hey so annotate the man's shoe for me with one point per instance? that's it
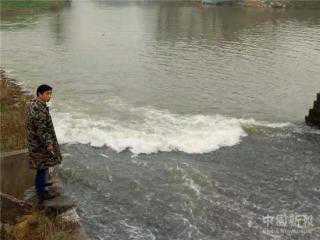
(45, 196)
(55, 191)
(48, 184)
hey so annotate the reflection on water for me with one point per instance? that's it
(189, 90)
(180, 57)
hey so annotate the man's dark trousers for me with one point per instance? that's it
(41, 180)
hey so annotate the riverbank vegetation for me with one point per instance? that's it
(13, 100)
(36, 5)
(11, 9)
(35, 225)
(283, 3)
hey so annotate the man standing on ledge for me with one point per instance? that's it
(44, 151)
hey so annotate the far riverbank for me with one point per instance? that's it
(281, 3)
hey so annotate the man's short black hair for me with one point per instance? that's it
(43, 88)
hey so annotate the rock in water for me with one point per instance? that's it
(313, 119)
(59, 204)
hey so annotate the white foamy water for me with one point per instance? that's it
(154, 131)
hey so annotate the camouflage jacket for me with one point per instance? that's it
(40, 133)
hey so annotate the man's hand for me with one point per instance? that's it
(50, 148)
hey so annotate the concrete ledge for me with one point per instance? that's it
(12, 153)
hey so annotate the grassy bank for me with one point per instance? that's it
(38, 226)
(7, 5)
(13, 100)
(18, 8)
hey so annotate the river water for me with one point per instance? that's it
(179, 121)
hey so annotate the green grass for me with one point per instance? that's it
(250, 129)
(3, 108)
(29, 3)
(13, 102)
(16, 5)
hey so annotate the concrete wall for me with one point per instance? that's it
(15, 175)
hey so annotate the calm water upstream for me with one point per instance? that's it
(177, 121)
